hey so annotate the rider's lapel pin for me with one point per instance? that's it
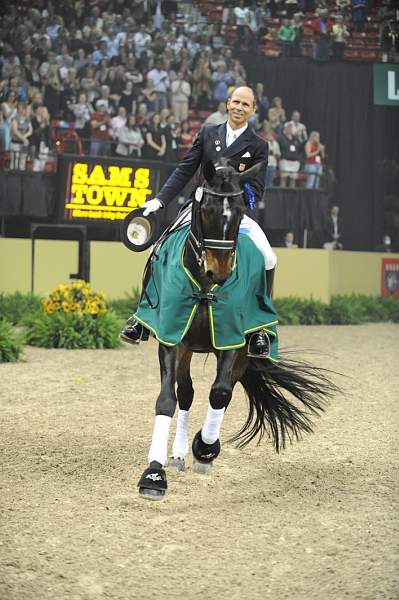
(241, 167)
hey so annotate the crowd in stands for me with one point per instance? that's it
(321, 29)
(137, 79)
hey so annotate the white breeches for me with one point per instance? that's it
(248, 227)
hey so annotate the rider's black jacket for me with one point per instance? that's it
(247, 150)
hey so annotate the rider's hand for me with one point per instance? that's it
(151, 206)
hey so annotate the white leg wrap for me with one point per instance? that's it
(180, 444)
(159, 444)
(210, 431)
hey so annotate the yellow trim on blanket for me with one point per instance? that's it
(187, 272)
(212, 329)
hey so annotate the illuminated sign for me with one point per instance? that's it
(106, 190)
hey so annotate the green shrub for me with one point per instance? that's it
(125, 307)
(313, 312)
(391, 308)
(16, 307)
(11, 343)
(66, 330)
(289, 310)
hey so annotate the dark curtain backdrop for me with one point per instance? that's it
(337, 100)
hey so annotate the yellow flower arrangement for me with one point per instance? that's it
(76, 298)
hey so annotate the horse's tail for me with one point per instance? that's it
(271, 412)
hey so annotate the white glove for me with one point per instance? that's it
(151, 206)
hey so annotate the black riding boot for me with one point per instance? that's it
(259, 343)
(134, 332)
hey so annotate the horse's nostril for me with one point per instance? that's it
(209, 274)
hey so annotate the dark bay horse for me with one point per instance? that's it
(209, 253)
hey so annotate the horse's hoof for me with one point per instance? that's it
(149, 494)
(202, 468)
(178, 464)
(204, 453)
(152, 484)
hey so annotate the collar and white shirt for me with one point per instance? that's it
(233, 134)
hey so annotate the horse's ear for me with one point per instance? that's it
(252, 172)
(209, 171)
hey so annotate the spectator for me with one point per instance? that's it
(52, 95)
(242, 17)
(389, 39)
(286, 35)
(290, 157)
(155, 142)
(385, 246)
(339, 34)
(106, 100)
(8, 111)
(99, 121)
(359, 8)
(171, 138)
(262, 101)
(161, 84)
(118, 121)
(297, 25)
(202, 83)
(142, 40)
(82, 111)
(180, 92)
(130, 139)
(40, 120)
(185, 139)
(221, 80)
(274, 157)
(322, 30)
(89, 85)
(288, 241)
(276, 114)
(298, 129)
(128, 98)
(21, 131)
(218, 117)
(315, 153)
(332, 231)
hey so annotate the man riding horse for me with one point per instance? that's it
(238, 143)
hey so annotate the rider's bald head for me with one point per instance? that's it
(243, 89)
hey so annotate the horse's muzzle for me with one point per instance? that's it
(218, 266)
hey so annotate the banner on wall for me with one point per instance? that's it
(390, 277)
(97, 189)
(386, 84)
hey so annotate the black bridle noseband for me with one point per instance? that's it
(198, 242)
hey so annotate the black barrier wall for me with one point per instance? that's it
(99, 193)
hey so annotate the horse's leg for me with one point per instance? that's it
(152, 483)
(206, 444)
(185, 395)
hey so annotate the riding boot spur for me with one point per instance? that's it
(134, 332)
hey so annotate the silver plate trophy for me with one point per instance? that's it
(138, 232)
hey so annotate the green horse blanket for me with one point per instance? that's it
(239, 306)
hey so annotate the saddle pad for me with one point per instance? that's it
(240, 305)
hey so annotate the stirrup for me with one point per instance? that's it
(264, 349)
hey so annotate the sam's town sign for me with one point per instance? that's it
(109, 191)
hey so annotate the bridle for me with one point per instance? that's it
(198, 242)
